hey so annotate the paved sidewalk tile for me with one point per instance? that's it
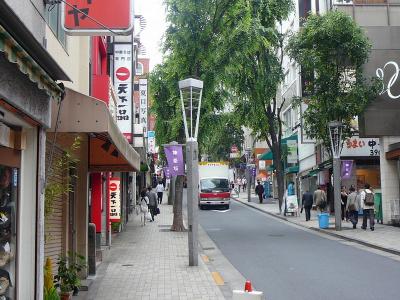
(151, 262)
(384, 236)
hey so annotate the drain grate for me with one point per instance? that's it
(208, 248)
(127, 265)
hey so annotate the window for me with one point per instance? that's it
(287, 120)
(139, 69)
(53, 19)
(209, 185)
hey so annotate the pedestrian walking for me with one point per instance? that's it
(160, 192)
(307, 201)
(367, 204)
(320, 199)
(353, 205)
(144, 206)
(239, 183)
(259, 191)
(244, 183)
(343, 198)
(152, 202)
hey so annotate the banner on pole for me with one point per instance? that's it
(115, 199)
(347, 168)
(175, 159)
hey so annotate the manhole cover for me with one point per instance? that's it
(165, 230)
(208, 248)
(127, 265)
(275, 235)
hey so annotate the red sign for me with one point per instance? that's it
(113, 187)
(95, 17)
(122, 73)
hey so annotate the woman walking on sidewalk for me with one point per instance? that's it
(152, 202)
(160, 192)
(144, 206)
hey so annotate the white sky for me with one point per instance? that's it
(154, 13)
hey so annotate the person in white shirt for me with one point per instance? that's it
(244, 183)
(160, 192)
(368, 206)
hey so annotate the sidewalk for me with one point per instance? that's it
(385, 237)
(151, 262)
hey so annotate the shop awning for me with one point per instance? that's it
(108, 148)
(292, 169)
(267, 155)
(313, 172)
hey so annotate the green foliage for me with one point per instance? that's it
(49, 291)
(67, 279)
(53, 190)
(115, 226)
(51, 294)
(332, 49)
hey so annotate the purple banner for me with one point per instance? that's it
(167, 173)
(175, 159)
(347, 168)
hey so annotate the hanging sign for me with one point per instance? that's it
(97, 17)
(143, 105)
(123, 56)
(151, 141)
(347, 167)
(175, 159)
(292, 151)
(115, 199)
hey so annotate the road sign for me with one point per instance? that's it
(122, 73)
(97, 17)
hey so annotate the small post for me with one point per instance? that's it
(336, 191)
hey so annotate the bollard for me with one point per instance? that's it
(248, 293)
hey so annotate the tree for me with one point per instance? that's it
(252, 55)
(189, 50)
(333, 49)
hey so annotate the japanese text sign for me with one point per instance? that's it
(115, 199)
(151, 141)
(97, 17)
(143, 104)
(175, 159)
(167, 173)
(356, 146)
(347, 167)
(123, 55)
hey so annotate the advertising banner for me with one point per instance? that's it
(100, 18)
(347, 168)
(175, 159)
(292, 152)
(115, 199)
(151, 141)
(143, 104)
(123, 56)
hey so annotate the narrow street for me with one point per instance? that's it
(286, 262)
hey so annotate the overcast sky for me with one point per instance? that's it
(154, 13)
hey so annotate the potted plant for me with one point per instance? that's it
(67, 279)
(49, 292)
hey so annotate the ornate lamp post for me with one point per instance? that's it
(335, 134)
(191, 91)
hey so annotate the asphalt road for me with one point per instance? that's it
(289, 263)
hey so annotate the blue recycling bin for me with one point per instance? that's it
(323, 220)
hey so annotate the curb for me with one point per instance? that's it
(364, 243)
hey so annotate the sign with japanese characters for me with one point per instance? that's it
(97, 17)
(175, 159)
(115, 199)
(151, 141)
(143, 104)
(356, 146)
(347, 168)
(123, 55)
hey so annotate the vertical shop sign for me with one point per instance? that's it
(151, 141)
(123, 54)
(97, 17)
(143, 104)
(347, 167)
(292, 151)
(115, 199)
(175, 159)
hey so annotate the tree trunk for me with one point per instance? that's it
(177, 224)
(280, 176)
(171, 191)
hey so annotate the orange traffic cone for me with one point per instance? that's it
(247, 286)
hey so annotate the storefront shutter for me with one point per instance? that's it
(55, 229)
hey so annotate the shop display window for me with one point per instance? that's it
(8, 209)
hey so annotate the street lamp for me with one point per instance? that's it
(335, 134)
(191, 91)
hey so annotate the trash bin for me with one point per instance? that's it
(323, 220)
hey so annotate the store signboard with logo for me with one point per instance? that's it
(98, 18)
(143, 116)
(359, 147)
(123, 56)
(115, 199)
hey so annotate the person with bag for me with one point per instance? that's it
(320, 199)
(160, 192)
(152, 202)
(368, 206)
(144, 206)
(352, 206)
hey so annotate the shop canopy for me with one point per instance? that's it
(108, 148)
(267, 155)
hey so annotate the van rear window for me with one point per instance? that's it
(210, 185)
